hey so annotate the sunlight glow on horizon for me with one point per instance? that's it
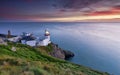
(80, 18)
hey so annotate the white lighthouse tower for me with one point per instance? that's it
(46, 40)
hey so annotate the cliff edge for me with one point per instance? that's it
(19, 59)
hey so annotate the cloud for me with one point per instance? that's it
(117, 7)
(102, 13)
(75, 5)
(114, 10)
(57, 9)
(85, 6)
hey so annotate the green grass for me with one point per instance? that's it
(27, 60)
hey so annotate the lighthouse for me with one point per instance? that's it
(46, 39)
(47, 34)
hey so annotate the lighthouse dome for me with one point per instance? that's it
(47, 33)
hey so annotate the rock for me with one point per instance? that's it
(68, 54)
(2, 42)
(13, 49)
(57, 52)
(60, 53)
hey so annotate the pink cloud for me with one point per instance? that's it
(112, 11)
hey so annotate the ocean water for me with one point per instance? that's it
(95, 45)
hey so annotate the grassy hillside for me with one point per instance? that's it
(33, 61)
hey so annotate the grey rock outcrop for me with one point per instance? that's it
(68, 54)
(13, 49)
(60, 53)
(2, 42)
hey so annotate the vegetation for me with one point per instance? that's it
(27, 60)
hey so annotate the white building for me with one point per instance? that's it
(38, 42)
(14, 39)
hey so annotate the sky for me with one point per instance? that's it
(59, 10)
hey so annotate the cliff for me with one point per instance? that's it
(60, 53)
(19, 59)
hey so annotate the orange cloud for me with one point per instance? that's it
(112, 11)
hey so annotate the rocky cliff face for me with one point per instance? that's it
(60, 53)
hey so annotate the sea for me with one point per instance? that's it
(95, 45)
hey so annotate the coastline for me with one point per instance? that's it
(27, 59)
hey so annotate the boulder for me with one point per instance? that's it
(13, 49)
(68, 54)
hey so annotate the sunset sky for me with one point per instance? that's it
(59, 10)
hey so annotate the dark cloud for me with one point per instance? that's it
(117, 7)
(42, 16)
(28, 9)
(85, 5)
(74, 4)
